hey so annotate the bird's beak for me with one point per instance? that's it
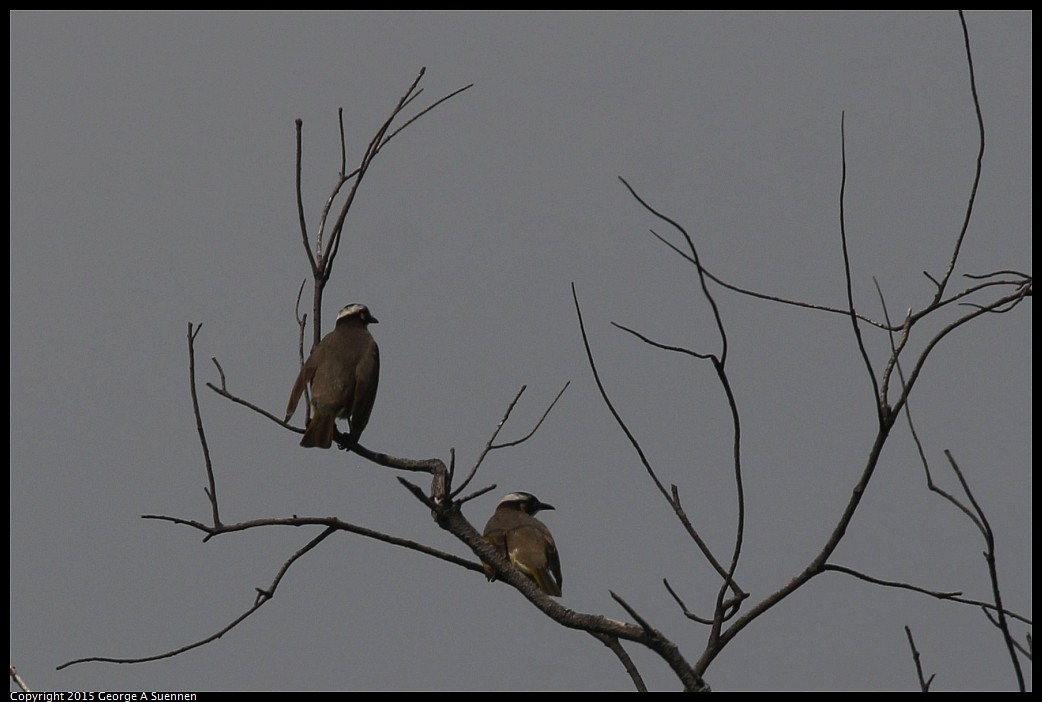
(543, 505)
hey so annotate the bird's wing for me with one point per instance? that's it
(498, 538)
(554, 560)
(532, 550)
(367, 378)
(307, 372)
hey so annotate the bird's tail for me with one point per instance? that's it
(320, 431)
(542, 578)
(546, 583)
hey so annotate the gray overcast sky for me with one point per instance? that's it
(152, 184)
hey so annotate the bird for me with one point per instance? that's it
(525, 541)
(344, 370)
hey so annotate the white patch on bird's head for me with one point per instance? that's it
(518, 497)
(524, 501)
(359, 312)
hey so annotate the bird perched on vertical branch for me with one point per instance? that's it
(343, 370)
(525, 541)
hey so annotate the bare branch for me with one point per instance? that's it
(977, 171)
(477, 493)
(1007, 271)
(764, 296)
(451, 95)
(977, 517)
(538, 424)
(880, 401)
(419, 494)
(220, 371)
(1013, 298)
(17, 680)
(727, 575)
(683, 607)
(817, 565)
(636, 444)
(896, 363)
(895, 348)
(224, 392)
(939, 594)
(1023, 278)
(632, 612)
(300, 195)
(331, 523)
(989, 557)
(343, 140)
(924, 685)
(1025, 650)
(950, 596)
(211, 491)
(433, 466)
(324, 255)
(631, 669)
(665, 347)
(490, 446)
(698, 266)
(367, 159)
(263, 596)
(719, 365)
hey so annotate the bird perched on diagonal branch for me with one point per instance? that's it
(525, 541)
(343, 370)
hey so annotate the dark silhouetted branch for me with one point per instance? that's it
(924, 684)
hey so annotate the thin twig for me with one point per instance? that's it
(343, 140)
(211, 491)
(880, 401)
(538, 424)
(989, 556)
(664, 347)
(1025, 650)
(451, 95)
(698, 266)
(924, 685)
(300, 194)
(683, 607)
(1013, 298)
(224, 392)
(951, 596)
(895, 363)
(615, 647)
(263, 596)
(632, 612)
(371, 152)
(979, 166)
(760, 295)
(846, 312)
(637, 447)
(719, 365)
(1007, 271)
(476, 494)
(325, 251)
(329, 522)
(490, 446)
